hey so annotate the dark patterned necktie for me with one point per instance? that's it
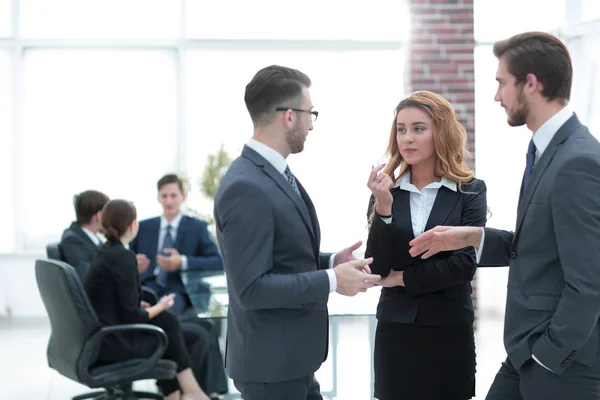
(161, 278)
(291, 179)
(529, 164)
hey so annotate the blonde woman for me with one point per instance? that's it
(424, 345)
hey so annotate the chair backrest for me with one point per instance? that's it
(53, 252)
(72, 318)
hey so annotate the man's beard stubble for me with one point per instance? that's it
(295, 139)
(519, 116)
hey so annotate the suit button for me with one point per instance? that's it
(513, 254)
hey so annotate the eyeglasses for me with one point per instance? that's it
(313, 114)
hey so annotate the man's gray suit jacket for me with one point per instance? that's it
(553, 302)
(278, 287)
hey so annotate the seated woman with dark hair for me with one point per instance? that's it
(114, 291)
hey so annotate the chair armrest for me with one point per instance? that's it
(92, 347)
(149, 295)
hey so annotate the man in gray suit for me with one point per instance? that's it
(269, 236)
(551, 328)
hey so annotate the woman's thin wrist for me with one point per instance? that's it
(384, 212)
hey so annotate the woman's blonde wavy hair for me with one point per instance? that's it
(449, 138)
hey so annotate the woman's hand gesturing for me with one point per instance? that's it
(380, 185)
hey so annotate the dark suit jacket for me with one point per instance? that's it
(114, 291)
(278, 287)
(553, 302)
(438, 289)
(192, 240)
(78, 249)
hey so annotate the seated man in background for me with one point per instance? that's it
(80, 242)
(172, 243)
(167, 245)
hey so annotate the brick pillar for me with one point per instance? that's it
(441, 59)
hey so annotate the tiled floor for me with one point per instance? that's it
(25, 375)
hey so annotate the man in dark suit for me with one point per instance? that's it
(172, 243)
(551, 330)
(167, 245)
(80, 241)
(268, 232)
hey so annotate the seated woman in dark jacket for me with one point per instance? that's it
(114, 291)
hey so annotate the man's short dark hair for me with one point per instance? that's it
(272, 87)
(542, 55)
(87, 204)
(168, 179)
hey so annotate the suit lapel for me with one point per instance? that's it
(183, 225)
(87, 240)
(283, 184)
(445, 201)
(538, 170)
(153, 234)
(312, 213)
(402, 212)
(291, 193)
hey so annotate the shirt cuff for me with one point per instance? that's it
(479, 249)
(386, 220)
(332, 279)
(331, 260)
(538, 361)
(184, 264)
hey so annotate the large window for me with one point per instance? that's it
(93, 119)
(112, 94)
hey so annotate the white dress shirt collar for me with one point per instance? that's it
(174, 223)
(545, 133)
(404, 184)
(93, 237)
(272, 156)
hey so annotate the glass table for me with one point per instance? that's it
(352, 326)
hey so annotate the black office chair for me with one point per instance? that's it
(53, 252)
(77, 334)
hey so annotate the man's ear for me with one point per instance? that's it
(532, 84)
(287, 118)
